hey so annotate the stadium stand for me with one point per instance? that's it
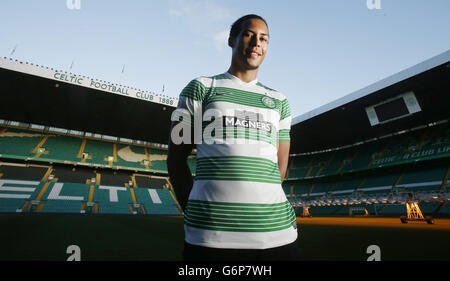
(79, 174)
(423, 179)
(99, 152)
(430, 143)
(12, 193)
(115, 177)
(31, 144)
(373, 174)
(430, 208)
(14, 142)
(344, 160)
(64, 197)
(445, 208)
(113, 199)
(132, 156)
(72, 174)
(10, 170)
(152, 200)
(379, 183)
(158, 159)
(58, 197)
(149, 181)
(60, 148)
(345, 186)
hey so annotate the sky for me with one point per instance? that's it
(319, 50)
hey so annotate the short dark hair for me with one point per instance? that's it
(236, 27)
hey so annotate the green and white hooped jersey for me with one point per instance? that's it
(237, 200)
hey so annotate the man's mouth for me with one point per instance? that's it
(253, 54)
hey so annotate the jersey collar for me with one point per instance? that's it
(239, 81)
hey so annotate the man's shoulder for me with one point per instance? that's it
(272, 92)
(199, 87)
(207, 80)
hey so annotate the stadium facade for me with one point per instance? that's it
(70, 143)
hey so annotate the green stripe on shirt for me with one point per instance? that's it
(239, 217)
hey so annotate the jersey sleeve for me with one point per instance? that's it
(190, 101)
(285, 122)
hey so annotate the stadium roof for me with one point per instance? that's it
(44, 96)
(345, 120)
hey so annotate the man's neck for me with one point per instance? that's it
(244, 75)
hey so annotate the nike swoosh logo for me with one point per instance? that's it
(221, 93)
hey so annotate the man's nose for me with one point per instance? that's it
(254, 41)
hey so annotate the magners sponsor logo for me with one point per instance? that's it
(249, 120)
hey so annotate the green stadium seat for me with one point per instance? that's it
(11, 205)
(192, 165)
(381, 184)
(392, 209)
(61, 206)
(131, 156)
(346, 186)
(113, 199)
(14, 193)
(65, 197)
(324, 210)
(445, 209)
(300, 189)
(429, 208)
(425, 179)
(17, 143)
(157, 201)
(98, 151)
(62, 148)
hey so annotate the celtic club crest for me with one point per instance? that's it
(268, 101)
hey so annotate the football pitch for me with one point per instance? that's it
(38, 237)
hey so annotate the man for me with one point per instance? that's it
(236, 209)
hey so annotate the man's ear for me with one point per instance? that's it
(230, 42)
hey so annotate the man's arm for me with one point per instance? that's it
(283, 157)
(179, 173)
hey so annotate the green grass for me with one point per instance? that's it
(151, 238)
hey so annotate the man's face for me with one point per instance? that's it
(250, 46)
